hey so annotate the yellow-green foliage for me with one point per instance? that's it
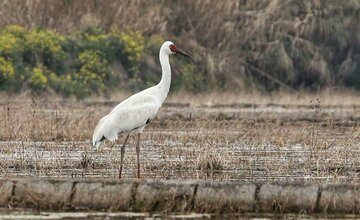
(153, 44)
(93, 73)
(11, 40)
(96, 38)
(92, 62)
(133, 44)
(8, 44)
(45, 40)
(190, 80)
(91, 38)
(15, 30)
(38, 80)
(6, 70)
(44, 47)
(62, 84)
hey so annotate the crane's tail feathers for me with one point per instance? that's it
(96, 144)
(112, 137)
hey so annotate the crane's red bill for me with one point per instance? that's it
(174, 49)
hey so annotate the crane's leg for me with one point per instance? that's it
(138, 155)
(122, 155)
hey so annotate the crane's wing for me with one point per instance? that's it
(125, 118)
(137, 99)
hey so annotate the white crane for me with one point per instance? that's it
(134, 113)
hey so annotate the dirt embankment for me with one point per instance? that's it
(178, 196)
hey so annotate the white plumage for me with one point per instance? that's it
(131, 115)
(135, 112)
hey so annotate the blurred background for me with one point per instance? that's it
(91, 47)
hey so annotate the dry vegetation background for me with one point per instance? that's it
(241, 45)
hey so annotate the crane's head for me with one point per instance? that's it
(170, 48)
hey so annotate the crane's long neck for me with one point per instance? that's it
(164, 85)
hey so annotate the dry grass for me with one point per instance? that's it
(301, 43)
(292, 137)
(328, 98)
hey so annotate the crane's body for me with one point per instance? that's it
(129, 116)
(135, 112)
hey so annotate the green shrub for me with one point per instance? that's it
(132, 46)
(93, 74)
(16, 30)
(6, 73)
(63, 85)
(93, 39)
(38, 80)
(12, 41)
(93, 61)
(12, 47)
(191, 80)
(44, 47)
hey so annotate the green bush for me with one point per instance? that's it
(63, 85)
(38, 80)
(10, 45)
(132, 46)
(93, 39)
(80, 63)
(85, 62)
(93, 74)
(44, 47)
(7, 73)
(190, 80)
(94, 62)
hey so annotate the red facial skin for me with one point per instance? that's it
(174, 49)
